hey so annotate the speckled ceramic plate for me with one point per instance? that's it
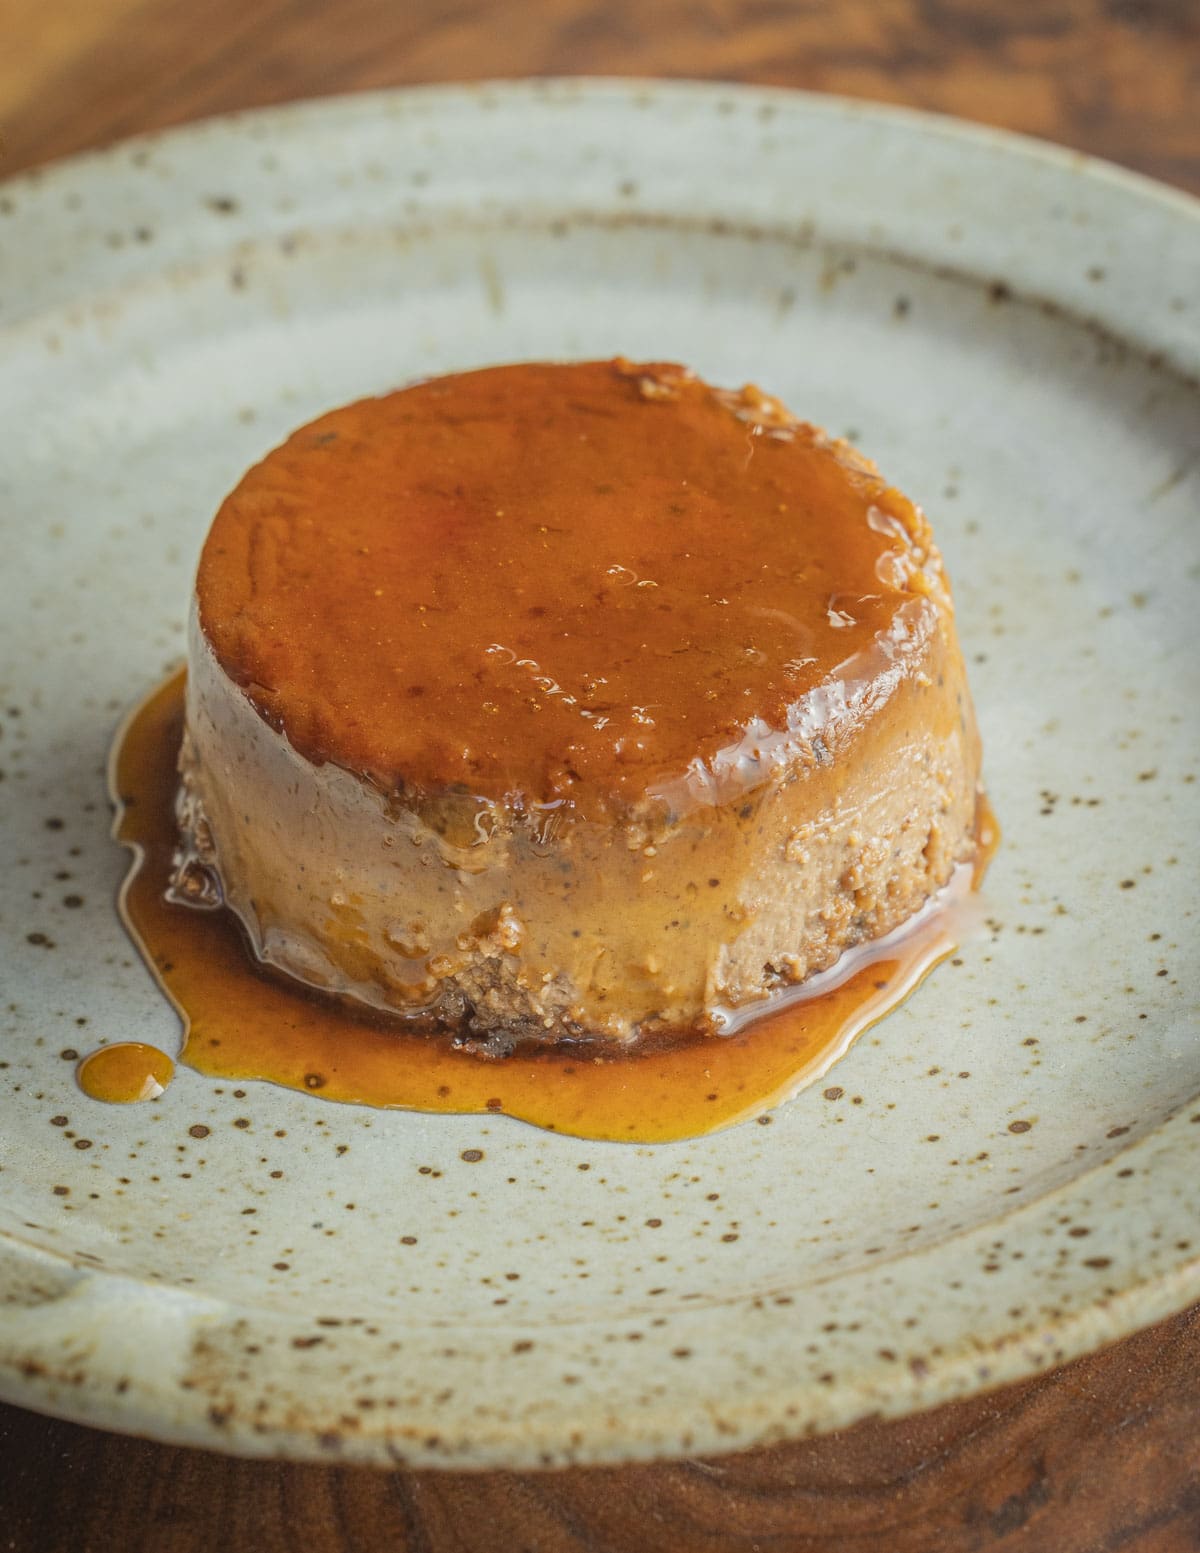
(1004, 1173)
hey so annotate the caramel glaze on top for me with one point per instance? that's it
(554, 582)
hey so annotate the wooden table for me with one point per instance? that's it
(1103, 1454)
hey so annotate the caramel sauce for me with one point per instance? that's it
(244, 1023)
(987, 838)
(558, 583)
(125, 1072)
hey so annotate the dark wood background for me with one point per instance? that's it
(1099, 1456)
(1120, 78)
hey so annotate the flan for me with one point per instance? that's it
(570, 701)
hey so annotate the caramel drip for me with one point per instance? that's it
(243, 1023)
(125, 1072)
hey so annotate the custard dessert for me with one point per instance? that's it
(570, 701)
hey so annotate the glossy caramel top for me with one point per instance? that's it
(582, 582)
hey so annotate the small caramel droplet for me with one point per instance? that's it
(125, 1072)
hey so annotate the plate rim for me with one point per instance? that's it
(836, 104)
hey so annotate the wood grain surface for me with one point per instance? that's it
(1120, 78)
(1101, 1455)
